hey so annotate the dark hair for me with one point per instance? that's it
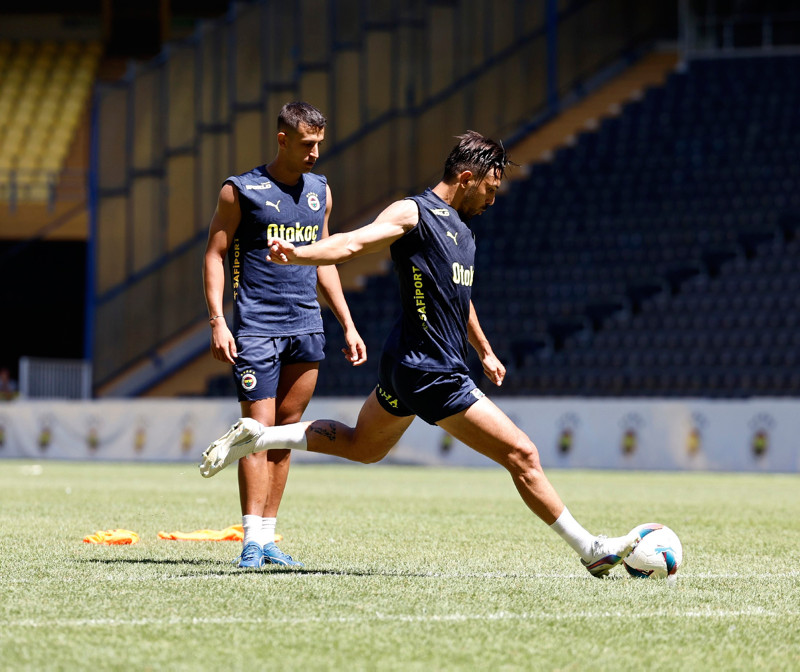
(296, 113)
(477, 154)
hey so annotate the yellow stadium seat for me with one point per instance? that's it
(6, 112)
(37, 76)
(26, 47)
(36, 141)
(42, 61)
(44, 90)
(94, 48)
(52, 162)
(48, 47)
(14, 75)
(28, 162)
(71, 48)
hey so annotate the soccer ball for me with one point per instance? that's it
(657, 556)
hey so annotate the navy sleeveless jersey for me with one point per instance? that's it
(269, 299)
(435, 264)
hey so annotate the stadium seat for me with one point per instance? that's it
(44, 88)
(660, 253)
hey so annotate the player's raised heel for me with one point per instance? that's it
(607, 553)
(237, 442)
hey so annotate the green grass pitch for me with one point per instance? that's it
(406, 569)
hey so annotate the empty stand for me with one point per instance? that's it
(735, 335)
(44, 91)
(649, 258)
(397, 81)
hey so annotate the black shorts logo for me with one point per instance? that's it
(392, 401)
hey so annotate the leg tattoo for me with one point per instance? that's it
(328, 432)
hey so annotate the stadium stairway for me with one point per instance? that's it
(587, 113)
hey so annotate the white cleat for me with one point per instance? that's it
(608, 553)
(235, 444)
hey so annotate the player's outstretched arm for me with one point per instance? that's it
(492, 366)
(391, 224)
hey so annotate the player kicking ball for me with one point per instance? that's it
(423, 370)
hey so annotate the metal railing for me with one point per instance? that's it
(41, 378)
(708, 28)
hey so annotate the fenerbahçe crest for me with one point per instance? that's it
(313, 201)
(249, 380)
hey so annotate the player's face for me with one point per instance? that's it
(479, 196)
(302, 147)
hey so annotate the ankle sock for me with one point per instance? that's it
(282, 437)
(253, 526)
(571, 531)
(268, 530)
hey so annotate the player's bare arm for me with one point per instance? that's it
(220, 236)
(492, 366)
(330, 286)
(399, 218)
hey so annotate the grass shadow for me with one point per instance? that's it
(275, 570)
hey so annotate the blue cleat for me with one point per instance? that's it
(276, 556)
(252, 556)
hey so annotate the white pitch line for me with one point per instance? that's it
(400, 618)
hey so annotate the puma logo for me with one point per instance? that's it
(275, 205)
(453, 236)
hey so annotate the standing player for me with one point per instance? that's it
(423, 368)
(277, 339)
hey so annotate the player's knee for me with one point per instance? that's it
(524, 459)
(369, 447)
(371, 454)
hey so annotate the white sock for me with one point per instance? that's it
(268, 530)
(571, 531)
(252, 529)
(283, 437)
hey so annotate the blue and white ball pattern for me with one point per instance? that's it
(658, 555)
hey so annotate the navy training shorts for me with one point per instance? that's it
(432, 395)
(260, 358)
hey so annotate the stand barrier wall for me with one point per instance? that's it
(757, 435)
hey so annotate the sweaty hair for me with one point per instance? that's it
(478, 155)
(294, 114)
